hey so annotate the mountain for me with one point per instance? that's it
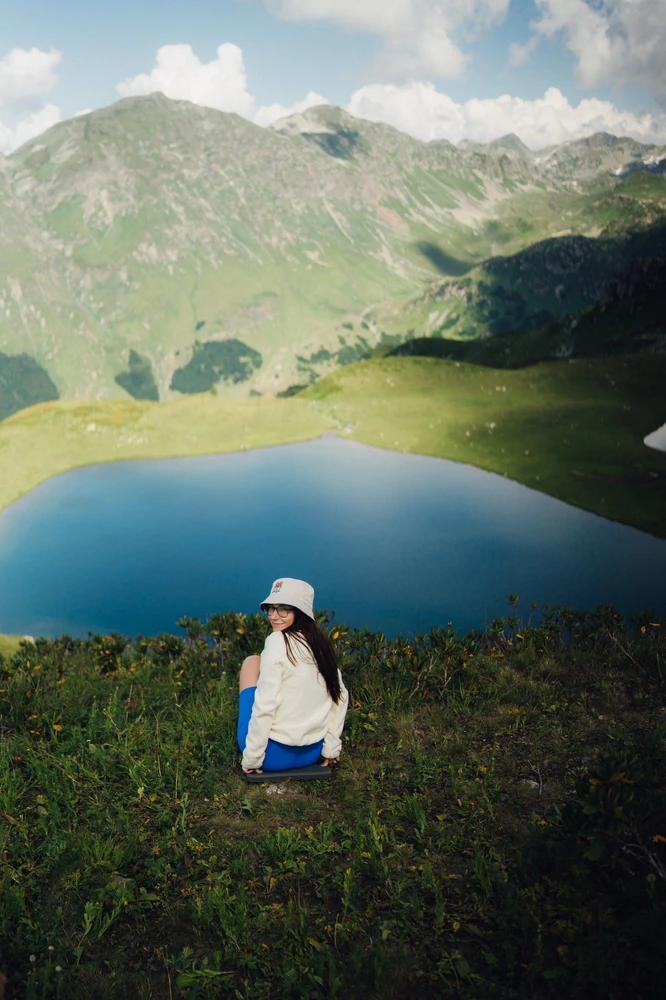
(156, 247)
(628, 319)
(584, 159)
(551, 280)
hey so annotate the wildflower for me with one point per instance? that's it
(33, 958)
(51, 948)
(57, 728)
(58, 968)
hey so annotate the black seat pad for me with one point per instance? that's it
(310, 773)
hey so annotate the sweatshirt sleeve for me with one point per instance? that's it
(336, 720)
(266, 700)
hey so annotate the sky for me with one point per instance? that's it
(547, 70)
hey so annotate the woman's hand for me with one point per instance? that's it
(328, 761)
(253, 770)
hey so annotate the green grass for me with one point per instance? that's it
(495, 829)
(9, 644)
(573, 429)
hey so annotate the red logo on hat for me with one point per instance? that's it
(277, 587)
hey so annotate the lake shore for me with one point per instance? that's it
(573, 430)
(46, 440)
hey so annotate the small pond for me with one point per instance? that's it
(393, 541)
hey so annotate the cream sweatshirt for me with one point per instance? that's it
(292, 704)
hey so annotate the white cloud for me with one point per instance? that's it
(28, 128)
(269, 113)
(179, 74)
(520, 54)
(222, 83)
(418, 35)
(26, 75)
(621, 41)
(422, 111)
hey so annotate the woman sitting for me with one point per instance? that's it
(293, 701)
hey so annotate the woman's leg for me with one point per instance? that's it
(247, 683)
(249, 672)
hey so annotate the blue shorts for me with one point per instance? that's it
(279, 756)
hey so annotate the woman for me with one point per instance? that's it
(292, 699)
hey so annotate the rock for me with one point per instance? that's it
(529, 785)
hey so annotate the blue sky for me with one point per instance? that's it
(546, 69)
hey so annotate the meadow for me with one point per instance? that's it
(572, 429)
(9, 644)
(496, 826)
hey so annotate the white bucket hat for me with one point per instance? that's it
(295, 593)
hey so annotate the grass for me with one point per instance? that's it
(495, 828)
(573, 429)
(9, 644)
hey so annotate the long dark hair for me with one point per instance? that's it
(306, 632)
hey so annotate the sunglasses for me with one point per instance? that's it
(280, 609)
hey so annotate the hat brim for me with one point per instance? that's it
(292, 597)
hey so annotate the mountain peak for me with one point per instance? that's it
(320, 118)
(601, 139)
(507, 145)
(510, 142)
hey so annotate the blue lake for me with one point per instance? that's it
(396, 542)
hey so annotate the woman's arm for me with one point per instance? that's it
(267, 697)
(336, 721)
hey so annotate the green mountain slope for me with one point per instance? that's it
(22, 383)
(550, 280)
(629, 318)
(138, 238)
(541, 296)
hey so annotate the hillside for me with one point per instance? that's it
(495, 827)
(549, 281)
(136, 239)
(628, 318)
